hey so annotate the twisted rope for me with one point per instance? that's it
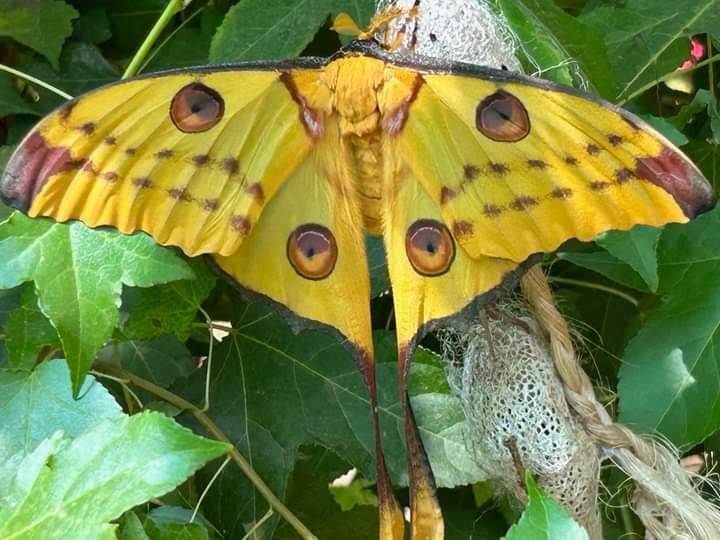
(666, 498)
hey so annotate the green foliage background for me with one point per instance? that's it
(647, 302)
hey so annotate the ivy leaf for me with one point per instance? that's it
(173, 523)
(41, 25)
(78, 275)
(11, 102)
(667, 128)
(167, 309)
(671, 366)
(160, 360)
(82, 68)
(377, 266)
(73, 488)
(647, 39)
(131, 528)
(309, 498)
(607, 265)
(36, 404)
(93, 26)
(272, 391)
(636, 247)
(261, 30)
(703, 101)
(358, 493)
(130, 22)
(5, 153)
(707, 157)
(544, 519)
(28, 331)
(539, 45)
(561, 44)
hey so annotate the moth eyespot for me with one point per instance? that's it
(430, 247)
(196, 108)
(312, 251)
(502, 117)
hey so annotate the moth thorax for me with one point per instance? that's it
(367, 157)
(355, 82)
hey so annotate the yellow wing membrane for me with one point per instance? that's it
(519, 167)
(135, 156)
(305, 217)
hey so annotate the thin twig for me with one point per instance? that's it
(209, 425)
(207, 488)
(165, 41)
(711, 67)
(665, 77)
(173, 7)
(589, 285)
(33, 80)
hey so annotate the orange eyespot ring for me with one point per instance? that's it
(312, 251)
(196, 108)
(430, 247)
(502, 117)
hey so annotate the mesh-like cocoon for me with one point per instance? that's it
(512, 399)
(460, 30)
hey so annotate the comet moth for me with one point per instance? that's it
(276, 172)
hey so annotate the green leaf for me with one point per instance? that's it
(168, 309)
(671, 366)
(173, 523)
(707, 157)
(608, 265)
(5, 153)
(4, 212)
(544, 52)
(583, 48)
(636, 247)
(358, 493)
(309, 498)
(10, 300)
(664, 126)
(11, 102)
(41, 25)
(36, 404)
(272, 391)
(262, 30)
(84, 483)
(703, 101)
(131, 528)
(79, 274)
(377, 265)
(544, 519)
(82, 68)
(130, 22)
(28, 331)
(161, 360)
(188, 47)
(93, 26)
(647, 39)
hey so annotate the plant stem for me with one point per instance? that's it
(173, 7)
(626, 515)
(33, 80)
(711, 67)
(655, 82)
(167, 39)
(590, 285)
(208, 424)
